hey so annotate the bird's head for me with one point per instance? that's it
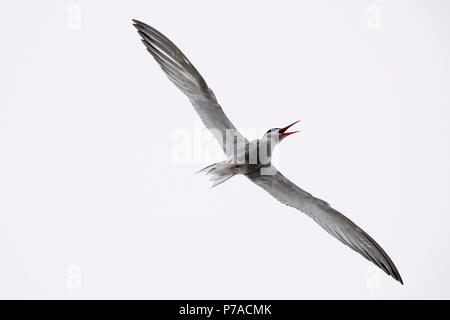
(278, 134)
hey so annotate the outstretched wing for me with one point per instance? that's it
(184, 75)
(331, 220)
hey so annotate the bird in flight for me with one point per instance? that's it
(252, 158)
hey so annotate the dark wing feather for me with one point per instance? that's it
(184, 75)
(331, 220)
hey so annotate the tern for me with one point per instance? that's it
(245, 157)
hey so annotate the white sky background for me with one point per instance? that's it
(92, 204)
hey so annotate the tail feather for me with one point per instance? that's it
(220, 172)
(207, 169)
(220, 179)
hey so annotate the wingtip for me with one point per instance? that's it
(137, 24)
(396, 275)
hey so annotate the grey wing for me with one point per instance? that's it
(184, 75)
(328, 218)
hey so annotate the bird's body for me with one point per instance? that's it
(247, 159)
(253, 158)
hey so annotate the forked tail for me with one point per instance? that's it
(219, 172)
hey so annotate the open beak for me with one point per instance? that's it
(283, 131)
